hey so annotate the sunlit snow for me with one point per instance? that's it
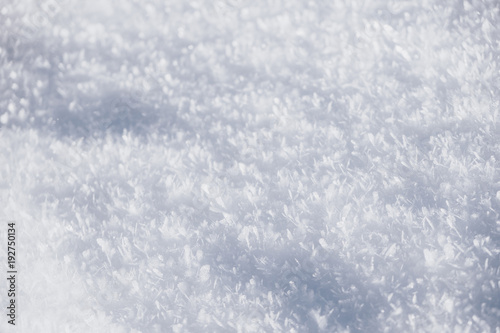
(251, 166)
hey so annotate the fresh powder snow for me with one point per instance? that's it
(251, 166)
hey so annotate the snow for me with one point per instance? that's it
(252, 166)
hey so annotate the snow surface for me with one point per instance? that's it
(252, 166)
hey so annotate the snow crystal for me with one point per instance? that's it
(284, 166)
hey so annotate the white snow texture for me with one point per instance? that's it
(251, 166)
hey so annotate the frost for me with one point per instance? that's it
(266, 166)
(204, 273)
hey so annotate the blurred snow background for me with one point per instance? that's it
(252, 166)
